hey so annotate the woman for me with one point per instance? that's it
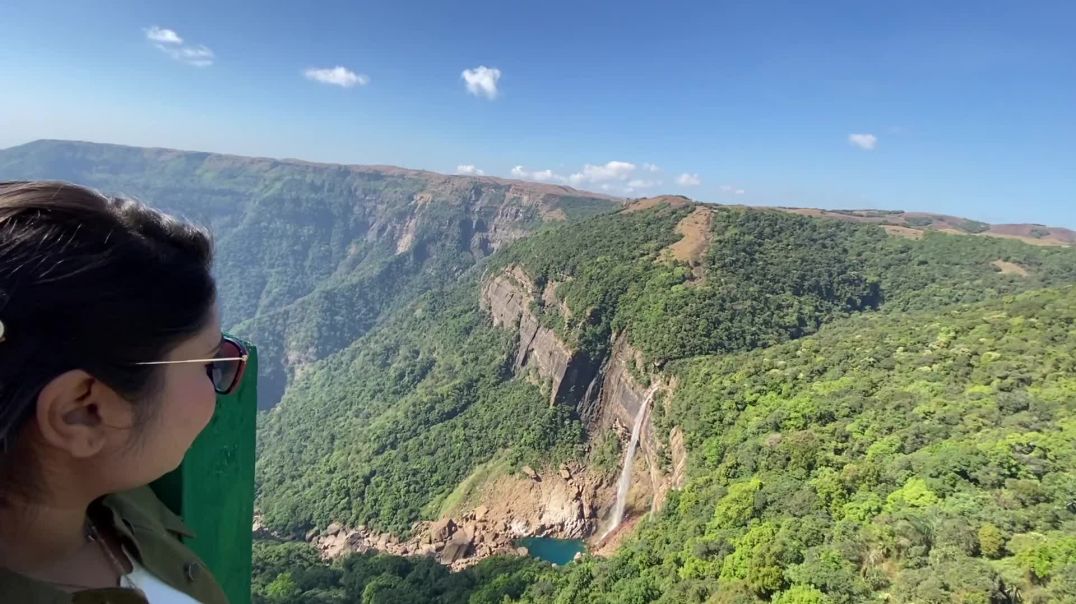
(111, 357)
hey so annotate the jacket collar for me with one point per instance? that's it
(127, 519)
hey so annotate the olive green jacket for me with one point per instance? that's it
(153, 535)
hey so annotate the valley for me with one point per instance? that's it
(815, 406)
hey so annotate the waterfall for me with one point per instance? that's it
(629, 456)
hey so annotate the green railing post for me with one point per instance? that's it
(214, 488)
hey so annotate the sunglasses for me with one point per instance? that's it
(225, 370)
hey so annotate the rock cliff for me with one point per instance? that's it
(606, 392)
(572, 501)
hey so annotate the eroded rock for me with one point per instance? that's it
(456, 548)
(442, 529)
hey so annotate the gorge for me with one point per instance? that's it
(831, 406)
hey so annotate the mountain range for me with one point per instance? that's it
(829, 406)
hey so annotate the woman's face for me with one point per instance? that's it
(181, 409)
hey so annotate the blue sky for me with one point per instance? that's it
(970, 107)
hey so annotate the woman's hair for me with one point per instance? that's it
(94, 283)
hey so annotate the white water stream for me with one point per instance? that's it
(625, 472)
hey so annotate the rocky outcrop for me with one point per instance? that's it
(618, 395)
(511, 507)
(508, 298)
(612, 402)
(569, 501)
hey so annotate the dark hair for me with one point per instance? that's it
(94, 283)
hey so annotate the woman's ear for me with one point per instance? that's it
(77, 413)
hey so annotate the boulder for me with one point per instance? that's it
(480, 513)
(576, 529)
(311, 534)
(333, 529)
(442, 529)
(565, 473)
(520, 528)
(530, 473)
(456, 548)
(334, 545)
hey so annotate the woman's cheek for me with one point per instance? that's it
(206, 402)
(194, 402)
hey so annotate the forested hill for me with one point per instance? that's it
(846, 411)
(919, 456)
(310, 256)
(866, 416)
(909, 457)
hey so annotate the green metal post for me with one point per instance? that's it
(213, 491)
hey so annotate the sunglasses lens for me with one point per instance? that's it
(224, 373)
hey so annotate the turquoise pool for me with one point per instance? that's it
(557, 551)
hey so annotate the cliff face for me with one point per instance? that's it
(614, 405)
(309, 256)
(484, 214)
(508, 298)
(619, 395)
(605, 393)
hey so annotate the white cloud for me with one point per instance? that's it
(162, 35)
(867, 142)
(740, 191)
(337, 76)
(469, 169)
(482, 81)
(688, 180)
(538, 175)
(171, 44)
(727, 188)
(198, 56)
(611, 171)
(614, 176)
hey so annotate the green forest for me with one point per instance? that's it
(867, 417)
(904, 457)
(377, 433)
(308, 256)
